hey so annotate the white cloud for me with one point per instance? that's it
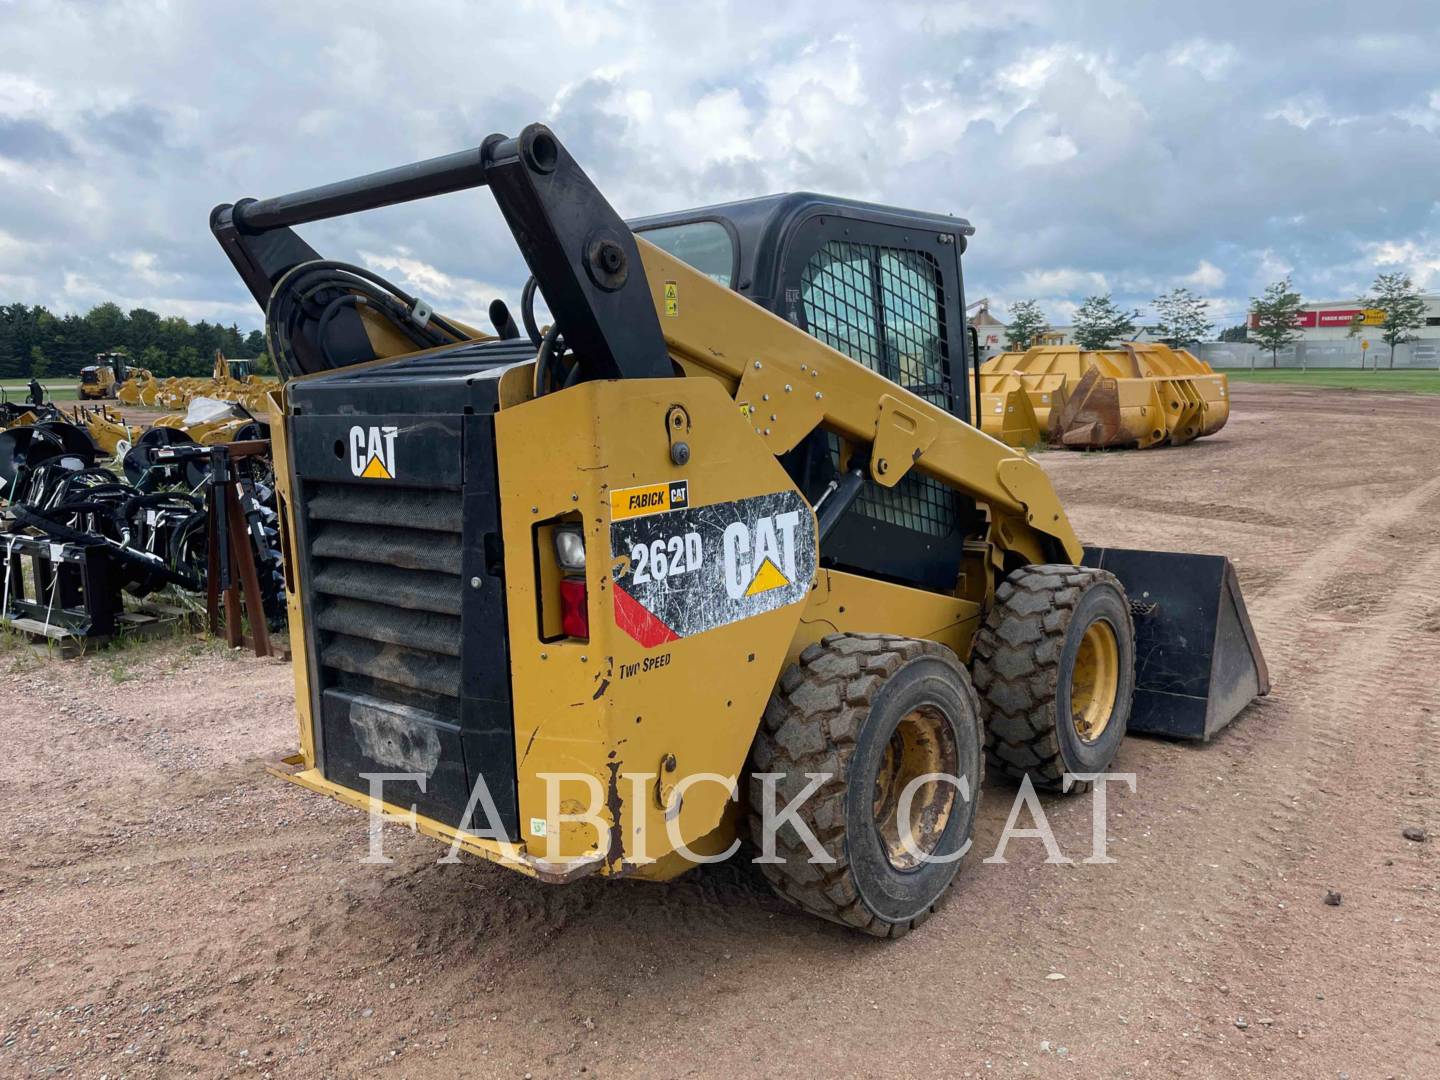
(144, 267)
(1420, 260)
(14, 252)
(20, 95)
(1206, 276)
(1426, 115)
(1095, 151)
(1273, 267)
(1213, 60)
(1301, 111)
(1062, 281)
(462, 297)
(81, 293)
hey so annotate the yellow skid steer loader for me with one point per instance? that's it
(720, 550)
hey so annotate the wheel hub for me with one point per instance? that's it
(923, 744)
(1094, 681)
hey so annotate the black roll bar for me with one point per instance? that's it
(582, 254)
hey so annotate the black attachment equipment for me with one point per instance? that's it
(1197, 661)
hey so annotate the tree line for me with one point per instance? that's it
(35, 342)
(1181, 318)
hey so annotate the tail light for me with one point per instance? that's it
(574, 601)
(574, 608)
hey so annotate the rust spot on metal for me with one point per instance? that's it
(599, 690)
(616, 855)
(529, 744)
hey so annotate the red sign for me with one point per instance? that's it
(1303, 318)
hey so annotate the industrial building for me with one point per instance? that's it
(1334, 320)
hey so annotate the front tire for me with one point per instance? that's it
(874, 713)
(1055, 667)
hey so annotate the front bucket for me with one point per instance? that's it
(1197, 663)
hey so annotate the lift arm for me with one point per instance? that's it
(611, 293)
(788, 383)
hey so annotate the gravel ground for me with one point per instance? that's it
(166, 908)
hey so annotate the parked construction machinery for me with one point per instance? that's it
(604, 595)
(23, 413)
(77, 536)
(100, 379)
(1141, 394)
(230, 380)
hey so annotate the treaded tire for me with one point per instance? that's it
(1023, 661)
(835, 712)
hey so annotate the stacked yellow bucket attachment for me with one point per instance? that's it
(224, 427)
(251, 391)
(139, 389)
(1142, 394)
(106, 429)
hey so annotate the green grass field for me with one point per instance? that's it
(1412, 382)
(54, 391)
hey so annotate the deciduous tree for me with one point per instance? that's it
(1027, 323)
(1099, 322)
(1396, 295)
(1180, 318)
(1274, 313)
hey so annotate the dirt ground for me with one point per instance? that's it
(166, 908)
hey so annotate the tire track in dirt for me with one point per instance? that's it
(1300, 646)
(151, 856)
(1308, 728)
(1315, 570)
(1325, 733)
(327, 968)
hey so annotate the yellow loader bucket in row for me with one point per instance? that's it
(1141, 394)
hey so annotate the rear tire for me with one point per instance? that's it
(874, 712)
(1055, 667)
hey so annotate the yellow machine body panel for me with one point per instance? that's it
(785, 382)
(622, 717)
(107, 429)
(1142, 394)
(615, 708)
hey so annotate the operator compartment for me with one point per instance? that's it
(397, 525)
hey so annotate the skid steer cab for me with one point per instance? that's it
(714, 549)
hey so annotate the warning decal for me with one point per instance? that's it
(692, 569)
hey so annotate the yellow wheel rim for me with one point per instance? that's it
(922, 745)
(1094, 681)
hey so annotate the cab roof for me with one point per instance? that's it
(759, 226)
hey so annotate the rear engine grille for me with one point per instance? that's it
(385, 576)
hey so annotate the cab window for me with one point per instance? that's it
(883, 307)
(705, 245)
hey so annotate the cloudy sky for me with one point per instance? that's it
(1096, 147)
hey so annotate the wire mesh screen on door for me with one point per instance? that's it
(884, 307)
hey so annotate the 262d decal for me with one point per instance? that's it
(691, 570)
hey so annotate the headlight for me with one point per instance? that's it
(570, 547)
